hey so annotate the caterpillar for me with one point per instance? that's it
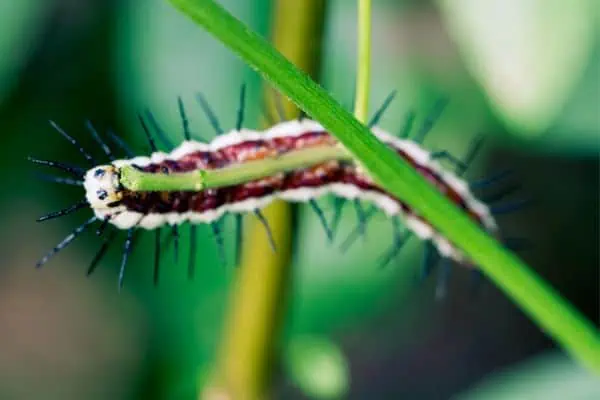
(242, 171)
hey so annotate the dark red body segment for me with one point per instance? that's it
(316, 176)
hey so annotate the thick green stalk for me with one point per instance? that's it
(258, 299)
(134, 179)
(542, 303)
(363, 62)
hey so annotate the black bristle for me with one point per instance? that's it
(509, 207)
(322, 219)
(482, 183)
(398, 242)
(212, 118)
(151, 142)
(192, 260)
(66, 241)
(216, 229)
(381, 110)
(265, 223)
(72, 169)
(90, 127)
(59, 180)
(156, 274)
(127, 248)
(430, 258)
(103, 226)
(158, 130)
(355, 234)
(241, 108)
(430, 120)
(238, 238)
(101, 252)
(184, 119)
(63, 212)
(408, 124)
(175, 234)
(445, 155)
(338, 206)
(74, 142)
(121, 143)
(360, 216)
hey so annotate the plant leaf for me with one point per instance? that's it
(546, 307)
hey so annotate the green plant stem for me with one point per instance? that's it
(543, 304)
(136, 180)
(363, 62)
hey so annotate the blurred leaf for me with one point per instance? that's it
(20, 23)
(546, 377)
(527, 54)
(318, 367)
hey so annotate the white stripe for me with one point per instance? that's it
(126, 219)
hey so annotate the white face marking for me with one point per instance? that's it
(102, 187)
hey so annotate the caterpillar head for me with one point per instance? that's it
(102, 188)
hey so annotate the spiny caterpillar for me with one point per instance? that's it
(242, 171)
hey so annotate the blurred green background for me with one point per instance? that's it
(525, 73)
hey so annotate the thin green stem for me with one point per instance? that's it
(535, 297)
(363, 62)
(135, 180)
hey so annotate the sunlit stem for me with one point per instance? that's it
(363, 64)
(135, 180)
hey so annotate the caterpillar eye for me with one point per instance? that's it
(102, 194)
(99, 173)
